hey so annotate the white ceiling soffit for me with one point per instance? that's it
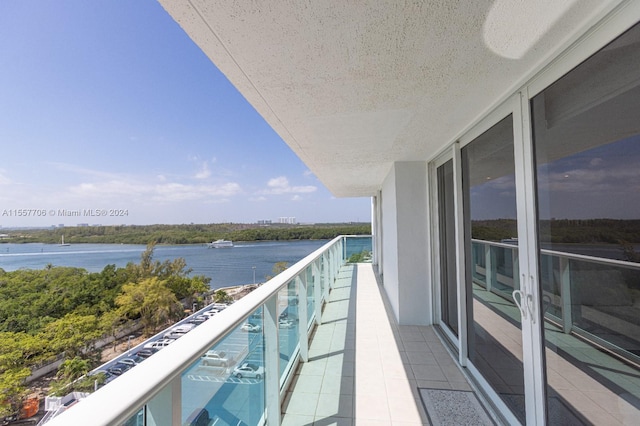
(352, 86)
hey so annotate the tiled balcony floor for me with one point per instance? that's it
(363, 368)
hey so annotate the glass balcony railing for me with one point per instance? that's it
(234, 370)
(358, 249)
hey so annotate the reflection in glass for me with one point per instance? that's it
(288, 320)
(587, 152)
(494, 323)
(228, 380)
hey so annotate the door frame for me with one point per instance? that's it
(443, 158)
(532, 383)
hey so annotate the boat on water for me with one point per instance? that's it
(220, 244)
(62, 243)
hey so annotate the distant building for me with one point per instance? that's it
(264, 222)
(288, 220)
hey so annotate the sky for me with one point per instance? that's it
(110, 113)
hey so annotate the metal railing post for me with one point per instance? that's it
(515, 268)
(489, 267)
(325, 275)
(165, 408)
(317, 292)
(272, 361)
(303, 335)
(565, 293)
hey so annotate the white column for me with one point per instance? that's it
(406, 248)
(272, 361)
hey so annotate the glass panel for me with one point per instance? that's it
(587, 151)
(227, 381)
(358, 249)
(494, 324)
(448, 282)
(310, 295)
(288, 325)
(136, 420)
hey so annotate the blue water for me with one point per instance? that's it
(225, 267)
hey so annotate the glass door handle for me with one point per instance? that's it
(531, 300)
(519, 299)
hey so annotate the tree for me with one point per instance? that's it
(72, 334)
(277, 268)
(221, 296)
(68, 372)
(13, 390)
(21, 349)
(363, 256)
(112, 323)
(151, 301)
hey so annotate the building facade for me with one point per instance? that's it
(500, 144)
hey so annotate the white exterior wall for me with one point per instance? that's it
(389, 243)
(405, 246)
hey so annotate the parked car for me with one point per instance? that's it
(286, 323)
(220, 306)
(159, 344)
(215, 358)
(132, 360)
(249, 370)
(198, 320)
(120, 369)
(247, 326)
(146, 352)
(174, 334)
(102, 376)
(178, 331)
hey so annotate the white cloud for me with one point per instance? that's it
(296, 198)
(204, 171)
(166, 192)
(4, 180)
(280, 185)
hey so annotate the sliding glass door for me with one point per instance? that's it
(586, 131)
(494, 328)
(538, 243)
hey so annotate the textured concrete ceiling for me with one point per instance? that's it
(352, 86)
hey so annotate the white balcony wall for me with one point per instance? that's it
(405, 244)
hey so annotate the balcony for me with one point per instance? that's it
(325, 327)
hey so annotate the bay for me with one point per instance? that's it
(226, 267)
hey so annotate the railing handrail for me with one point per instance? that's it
(124, 397)
(574, 256)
